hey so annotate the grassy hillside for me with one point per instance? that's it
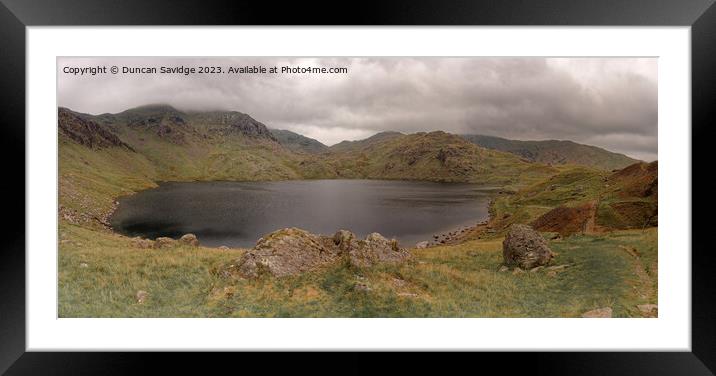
(436, 156)
(101, 273)
(156, 145)
(554, 152)
(581, 199)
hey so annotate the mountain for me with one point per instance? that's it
(86, 132)
(435, 156)
(216, 145)
(298, 143)
(102, 157)
(230, 145)
(555, 152)
(355, 145)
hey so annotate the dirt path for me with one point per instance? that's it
(591, 224)
(645, 286)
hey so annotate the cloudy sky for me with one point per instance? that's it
(607, 102)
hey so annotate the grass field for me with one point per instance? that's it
(101, 273)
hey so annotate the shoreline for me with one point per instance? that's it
(458, 234)
(446, 237)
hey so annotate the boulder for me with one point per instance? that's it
(141, 296)
(376, 249)
(293, 251)
(362, 287)
(164, 242)
(285, 252)
(647, 308)
(605, 312)
(189, 239)
(525, 248)
(343, 239)
(422, 245)
(138, 242)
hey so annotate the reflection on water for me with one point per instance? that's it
(236, 214)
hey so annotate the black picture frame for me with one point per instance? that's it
(700, 15)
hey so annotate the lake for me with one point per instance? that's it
(237, 214)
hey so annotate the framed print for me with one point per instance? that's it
(472, 177)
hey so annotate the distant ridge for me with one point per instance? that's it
(230, 145)
(174, 145)
(349, 145)
(297, 142)
(555, 152)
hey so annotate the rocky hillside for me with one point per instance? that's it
(86, 132)
(583, 200)
(554, 152)
(234, 146)
(435, 156)
(298, 143)
(109, 155)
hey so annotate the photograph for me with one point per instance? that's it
(357, 187)
(235, 178)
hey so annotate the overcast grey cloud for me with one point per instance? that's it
(607, 102)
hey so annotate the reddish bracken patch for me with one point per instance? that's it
(639, 179)
(565, 220)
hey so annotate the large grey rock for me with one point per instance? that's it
(164, 242)
(605, 312)
(189, 239)
(285, 252)
(138, 242)
(376, 249)
(525, 248)
(293, 251)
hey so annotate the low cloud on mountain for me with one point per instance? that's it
(607, 102)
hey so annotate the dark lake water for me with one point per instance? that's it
(236, 214)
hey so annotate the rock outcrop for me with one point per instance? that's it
(164, 242)
(86, 132)
(375, 249)
(525, 248)
(286, 252)
(601, 313)
(138, 242)
(141, 296)
(190, 240)
(293, 251)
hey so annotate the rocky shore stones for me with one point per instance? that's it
(343, 239)
(189, 239)
(292, 251)
(525, 248)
